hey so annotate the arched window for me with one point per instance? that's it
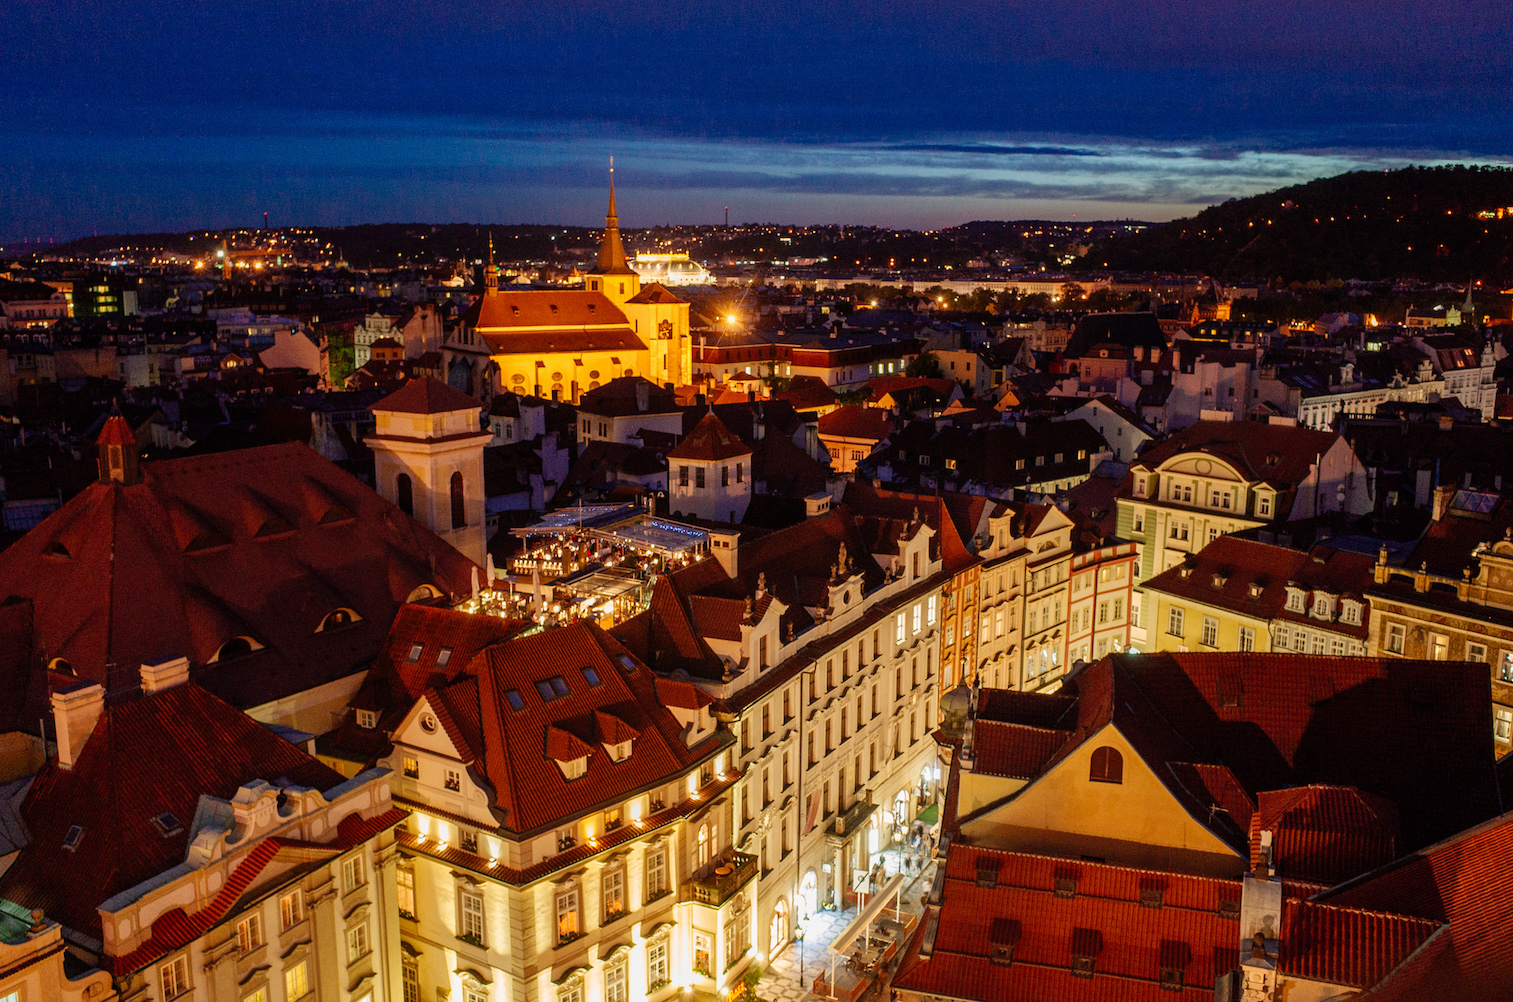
(1107, 767)
(234, 648)
(459, 507)
(337, 618)
(404, 494)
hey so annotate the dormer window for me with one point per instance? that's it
(619, 751)
(573, 768)
(367, 719)
(1294, 599)
(1255, 589)
(1350, 612)
(1323, 606)
(167, 824)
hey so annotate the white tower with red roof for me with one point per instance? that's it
(428, 460)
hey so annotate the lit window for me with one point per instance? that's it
(175, 976)
(291, 910)
(249, 933)
(1174, 622)
(353, 874)
(357, 942)
(1395, 637)
(470, 909)
(367, 719)
(296, 982)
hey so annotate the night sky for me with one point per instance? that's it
(164, 116)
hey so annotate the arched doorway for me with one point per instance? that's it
(777, 932)
(809, 890)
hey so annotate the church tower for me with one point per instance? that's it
(611, 274)
(428, 460)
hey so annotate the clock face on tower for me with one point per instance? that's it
(664, 330)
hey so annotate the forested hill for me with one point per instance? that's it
(1428, 223)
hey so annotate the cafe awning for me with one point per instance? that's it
(867, 915)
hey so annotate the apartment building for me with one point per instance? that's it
(821, 642)
(1452, 598)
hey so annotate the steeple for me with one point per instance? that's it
(490, 272)
(611, 251)
(117, 448)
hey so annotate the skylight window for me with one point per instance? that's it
(443, 657)
(415, 650)
(552, 688)
(167, 824)
(513, 698)
(592, 676)
(74, 837)
(628, 663)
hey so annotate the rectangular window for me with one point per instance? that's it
(259, 995)
(898, 629)
(1247, 639)
(296, 982)
(1139, 523)
(1439, 647)
(682, 476)
(1174, 622)
(1502, 723)
(410, 971)
(916, 618)
(616, 988)
(656, 873)
(762, 651)
(656, 965)
(1210, 632)
(352, 874)
(249, 933)
(1476, 652)
(614, 895)
(930, 611)
(698, 478)
(412, 768)
(291, 910)
(724, 476)
(405, 877)
(1395, 636)
(175, 977)
(567, 915)
(470, 910)
(1263, 506)
(357, 942)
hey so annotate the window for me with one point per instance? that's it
(698, 478)
(1439, 647)
(614, 894)
(1174, 622)
(468, 838)
(249, 933)
(291, 910)
(453, 780)
(1210, 632)
(898, 630)
(566, 839)
(405, 877)
(353, 875)
(1107, 766)
(615, 983)
(656, 873)
(1476, 652)
(682, 476)
(411, 768)
(1263, 505)
(357, 942)
(930, 611)
(551, 688)
(1502, 722)
(404, 494)
(416, 650)
(1395, 636)
(916, 615)
(470, 913)
(175, 975)
(443, 656)
(410, 970)
(656, 965)
(513, 697)
(296, 982)
(567, 915)
(1178, 530)
(459, 503)
(1139, 523)
(1247, 641)
(258, 995)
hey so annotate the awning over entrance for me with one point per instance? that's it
(930, 815)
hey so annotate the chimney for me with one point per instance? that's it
(643, 397)
(1442, 497)
(165, 674)
(816, 504)
(1446, 422)
(724, 547)
(75, 713)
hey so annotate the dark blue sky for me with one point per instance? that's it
(168, 115)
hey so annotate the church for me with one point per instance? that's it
(559, 343)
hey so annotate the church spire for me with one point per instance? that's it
(490, 272)
(611, 251)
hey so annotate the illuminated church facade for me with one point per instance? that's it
(558, 344)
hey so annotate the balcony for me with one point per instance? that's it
(851, 819)
(715, 883)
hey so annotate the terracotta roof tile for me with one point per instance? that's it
(1325, 833)
(871, 424)
(709, 441)
(1346, 946)
(1278, 454)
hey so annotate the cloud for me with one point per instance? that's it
(988, 148)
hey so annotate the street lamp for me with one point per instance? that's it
(801, 954)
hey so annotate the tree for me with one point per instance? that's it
(925, 365)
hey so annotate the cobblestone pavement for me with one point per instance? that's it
(781, 983)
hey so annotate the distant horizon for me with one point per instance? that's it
(161, 118)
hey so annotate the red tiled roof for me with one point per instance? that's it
(1014, 750)
(528, 786)
(709, 441)
(425, 395)
(1130, 943)
(148, 754)
(656, 294)
(512, 311)
(1324, 833)
(939, 512)
(261, 542)
(871, 424)
(1465, 880)
(1346, 946)
(116, 432)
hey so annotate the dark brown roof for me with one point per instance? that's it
(657, 294)
(427, 396)
(710, 441)
(855, 421)
(1278, 454)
